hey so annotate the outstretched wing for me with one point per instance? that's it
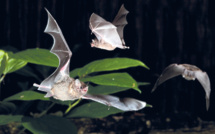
(120, 21)
(168, 73)
(105, 31)
(125, 104)
(204, 80)
(61, 50)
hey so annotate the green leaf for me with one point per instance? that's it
(114, 79)
(7, 107)
(93, 110)
(67, 103)
(38, 56)
(3, 64)
(101, 89)
(74, 72)
(109, 64)
(27, 96)
(5, 119)
(49, 125)
(13, 65)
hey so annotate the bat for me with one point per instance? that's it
(189, 72)
(109, 35)
(61, 86)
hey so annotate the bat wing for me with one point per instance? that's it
(120, 21)
(105, 31)
(204, 80)
(125, 104)
(168, 73)
(61, 50)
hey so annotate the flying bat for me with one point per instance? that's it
(109, 35)
(189, 72)
(62, 87)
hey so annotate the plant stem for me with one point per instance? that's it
(45, 111)
(72, 105)
(2, 78)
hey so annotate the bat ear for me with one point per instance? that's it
(93, 43)
(77, 83)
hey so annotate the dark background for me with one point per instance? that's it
(159, 33)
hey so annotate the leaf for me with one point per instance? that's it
(109, 64)
(93, 110)
(5, 119)
(67, 103)
(7, 107)
(27, 96)
(114, 79)
(3, 62)
(74, 72)
(13, 65)
(49, 125)
(28, 72)
(38, 56)
(101, 89)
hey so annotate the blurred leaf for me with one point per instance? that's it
(3, 64)
(27, 71)
(49, 125)
(93, 110)
(143, 83)
(74, 72)
(67, 103)
(108, 64)
(7, 107)
(114, 79)
(101, 89)
(5, 119)
(38, 56)
(13, 65)
(2, 53)
(27, 96)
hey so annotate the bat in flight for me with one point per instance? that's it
(189, 72)
(62, 87)
(109, 35)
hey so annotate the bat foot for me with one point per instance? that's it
(40, 86)
(126, 47)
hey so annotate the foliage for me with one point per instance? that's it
(99, 73)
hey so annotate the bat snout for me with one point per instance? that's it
(92, 45)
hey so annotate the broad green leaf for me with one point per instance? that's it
(29, 72)
(67, 103)
(5, 119)
(2, 53)
(27, 96)
(109, 64)
(101, 89)
(3, 63)
(7, 107)
(13, 65)
(49, 125)
(114, 79)
(74, 72)
(38, 56)
(93, 110)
